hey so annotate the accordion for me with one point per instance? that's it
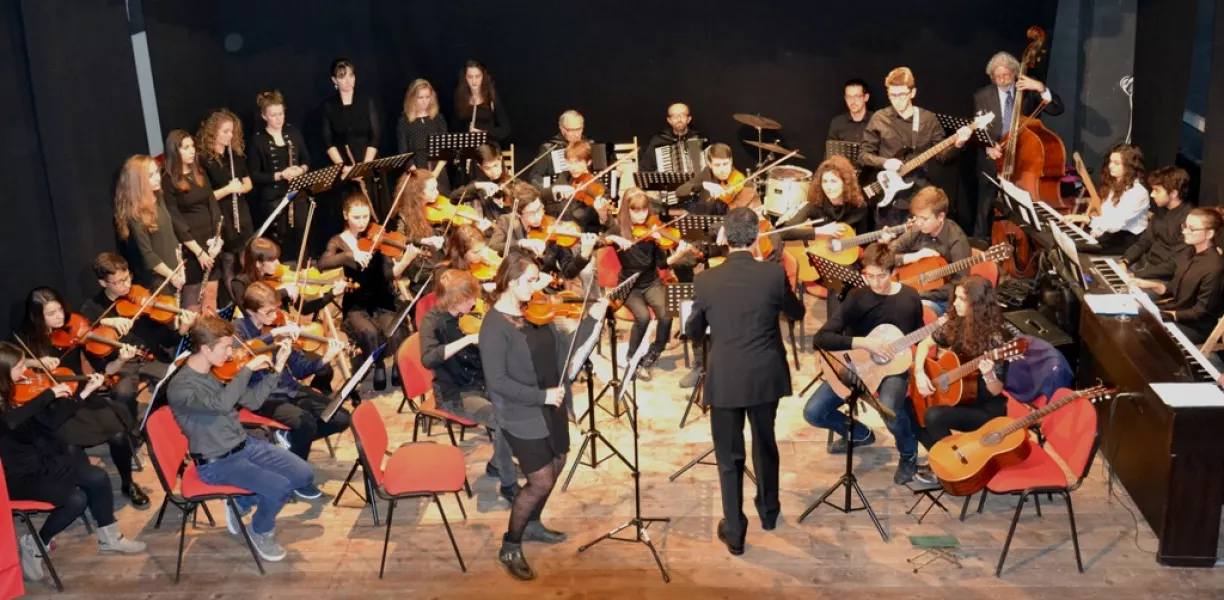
(680, 157)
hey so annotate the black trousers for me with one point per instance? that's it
(941, 421)
(303, 415)
(727, 427)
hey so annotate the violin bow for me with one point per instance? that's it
(787, 228)
(301, 260)
(394, 205)
(763, 170)
(535, 160)
(593, 179)
(36, 357)
(654, 229)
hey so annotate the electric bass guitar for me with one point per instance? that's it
(872, 369)
(889, 183)
(966, 462)
(948, 376)
(931, 273)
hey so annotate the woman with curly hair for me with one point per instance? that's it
(223, 152)
(146, 234)
(834, 198)
(1124, 208)
(477, 94)
(420, 189)
(975, 328)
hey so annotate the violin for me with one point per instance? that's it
(565, 233)
(240, 357)
(33, 383)
(162, 309)
(392, 244)
(485, 270)
(733, 186)
(543, 308)
(310, 336)
(98, 340)
(587, 189)
(311, 282)
(668, 236)
(470, 322)
(442, 210)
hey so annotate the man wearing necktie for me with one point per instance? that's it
(1000, 98)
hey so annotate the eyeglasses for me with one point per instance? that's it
(857, 96)
(121, 281)
(1186, 227)
(899, 95)
(571, 129)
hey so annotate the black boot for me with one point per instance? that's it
(537, 532)
(380, 377)
(512, 560)
(134, 494)
(396, 382)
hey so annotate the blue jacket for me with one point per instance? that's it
(300, 365)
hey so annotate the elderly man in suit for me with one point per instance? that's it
(740, 302)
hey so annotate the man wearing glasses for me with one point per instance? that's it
(883, 301)
(898, 133)
(933, 235)
(849, 126)
(679, 117)
(571, 127)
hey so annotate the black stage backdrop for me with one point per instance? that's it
(620, 65)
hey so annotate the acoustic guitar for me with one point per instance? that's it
(846, 249)
(948, 376)
(870, 369)
(931, 273)
(965, 462)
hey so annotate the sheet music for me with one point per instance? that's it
(352, 383)
(1189, 395)
(279, 207)
(583, 352)
(1112, 304)
(686, 310)
(642, 349)
(1067, 247)
(1146, 302)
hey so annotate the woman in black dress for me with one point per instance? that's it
(196, 217)
(476, 95)
(278, 154)
(420, 120)
(223, 149)
(142, 221)
(351, 126)
(39, 466)
(524, 369)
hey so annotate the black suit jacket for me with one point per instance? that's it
(740, 301)
(987, 100)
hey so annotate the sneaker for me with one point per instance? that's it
(308, 492)
(906, 469)
(31, 558)
(839, 446)
(110, 540)
(691, 378)
(266, 546)
(512, 560)
(925, 475)
(233, 520)
(281, 438)
(537, 532)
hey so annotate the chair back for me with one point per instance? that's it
(928, 315)
(371, 435)
(1213, 341)
(12, 584)
(607, 267)
(424, 305)
(989, 270)
(791, 265)
(167, 447)
(622, 176)
(1071, 431)
(416, 379)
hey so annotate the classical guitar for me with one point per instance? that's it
(889, 183)
(931, 273)
(845, 249)
(965, 462)
(872, 369)
(948, 376)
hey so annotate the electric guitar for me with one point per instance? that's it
(871, 369)
(931, 273)
(891, 182)
(965, 462)
(948, 376)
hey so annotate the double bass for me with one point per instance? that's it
(1035, 159)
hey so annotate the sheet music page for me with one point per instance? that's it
(1024, 202)
(1146, 302)
(1069, 252)
(643, 348)
(583, 352)
(1189, 395)
(686, 310)
(1112, 304)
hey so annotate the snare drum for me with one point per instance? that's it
(786, 188)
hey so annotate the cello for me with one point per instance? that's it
(1035, 159)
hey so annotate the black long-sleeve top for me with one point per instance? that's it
(218, 172)
(951, 243)
(493, 120)
(241, 282)
(414, 137)
(193, 212)
(645, 257)
(29, 447)
(148, 334)
(567, 262)
(1194, 292)
(863, 311)
(667, 137)
(1159, 249)
(491, 206)
(144, 250)
(844, 128)
(544, 168)
(888, 135)
(266, 158)
(375, 280)
(823, 213)
(462, 371)
(706, 204)
(353, 125)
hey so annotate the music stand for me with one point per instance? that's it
(831, 272)
(850, 150)
(858, 392)
(581, 363)
(346, 390)
(316, 181)
(951, 123)
(676, 296)
(652, 181)
(638, 522)
(615, 296)
(453, 146)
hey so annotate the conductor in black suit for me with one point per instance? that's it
(1000, 98)
(740, 302)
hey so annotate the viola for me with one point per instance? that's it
(311, 282)
(162, 309)
(392, 244)
(99, 340)
(587, 189)
(543, 308)
(565, 233)
(33, 383)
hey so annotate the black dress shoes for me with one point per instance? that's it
(512, 560)
(135, 495)
(722, 537)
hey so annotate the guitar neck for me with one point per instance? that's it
(955, 267)
(930, 153)
(1038, 415)
(867, 238)
(964, 370)
(917, 335)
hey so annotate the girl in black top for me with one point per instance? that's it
(99, 419)
(523, 366)
(223, 151)
(40, 467)
(278, 154)
(420, 188)
(351, 125)
(142, 222)
(476, 91)
(643, 257)
(196, 217)
(261, 261)
(420, 120)
(485, 190)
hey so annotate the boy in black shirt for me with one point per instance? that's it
(883, 302)
(1160, 247)
(933, 236)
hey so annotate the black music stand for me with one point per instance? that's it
(615, 297)
(858, 393)
(316, 181)
(453, 146)
(676, 294)
(638, 522)
(666, 183)
(951, 123)
(845, 277)
(850, 150)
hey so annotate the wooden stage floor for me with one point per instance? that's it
(334, 551)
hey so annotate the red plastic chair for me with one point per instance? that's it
(168, 452)
(415, 470)
(12, 583)
(988, 269)
(1072, 433)
(791, 265)
(424, 305)
(417, 382)
(249, 418)
(928, 315)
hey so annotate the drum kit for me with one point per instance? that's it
(787, 186)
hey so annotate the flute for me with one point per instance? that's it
(237, 223)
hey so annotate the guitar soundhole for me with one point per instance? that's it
(879, 360)
(991, 439)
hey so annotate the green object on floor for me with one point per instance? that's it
(934, 541)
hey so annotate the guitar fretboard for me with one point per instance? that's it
(1041, 413)
(917, 335)
(913, 163)
(960, 265)
(867, 238)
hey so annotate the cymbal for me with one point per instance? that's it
(756, 121)
(768, 147)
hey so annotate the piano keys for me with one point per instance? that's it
(1201, 368)
(1055, 219)
(1111, 274)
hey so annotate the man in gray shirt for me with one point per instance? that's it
(207, 412)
